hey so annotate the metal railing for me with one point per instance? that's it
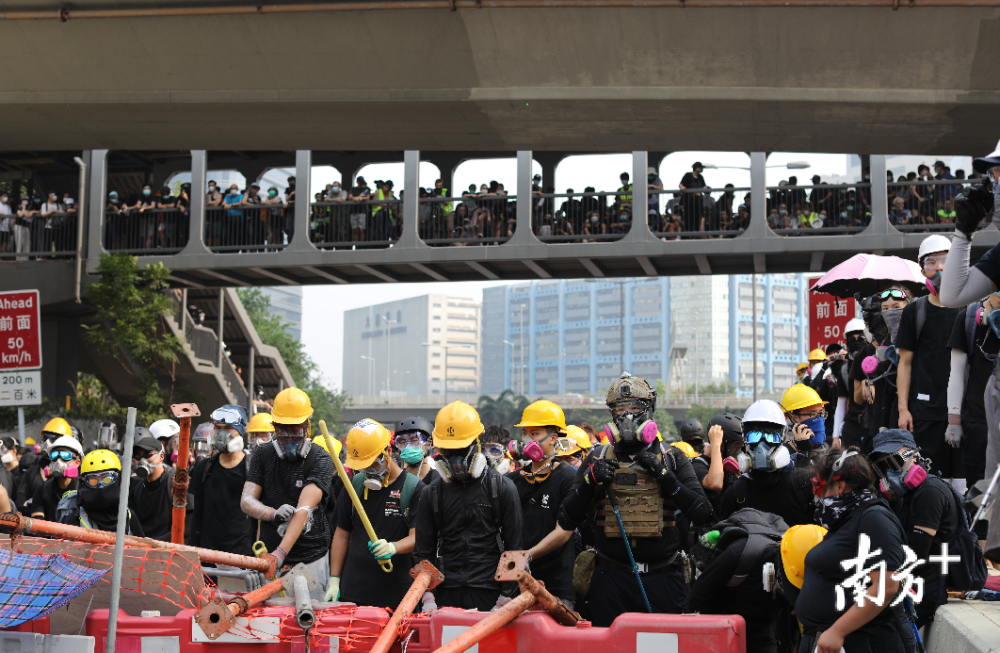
(247, 227)
(470, 219)
(927, 205)
(587, 217)
(204, 345)
(146, 230)
(235, 382)
(37, 237)
(342, 224)
(699, 213)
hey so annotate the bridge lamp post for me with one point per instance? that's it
(446, 348)
(371, 374)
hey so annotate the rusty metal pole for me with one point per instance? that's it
(14, 524)
(425, 577)
(514, 567)
(184, 412)
(217, 617)
(494, 622)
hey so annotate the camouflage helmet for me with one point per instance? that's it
(631, 388)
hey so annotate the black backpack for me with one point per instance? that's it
(763, 531)
(969, 574)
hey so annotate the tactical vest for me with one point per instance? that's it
(639, 503)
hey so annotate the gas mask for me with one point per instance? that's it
(496, 454)
(223, 443)
(895, 478)
(107, 437)
(376, 473)
(290, 441)
(462, 465)
(738, 464)
(61, 468)
(632, 428)
(769, 457)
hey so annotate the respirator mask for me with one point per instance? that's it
(290, 441)
(107, 437)
(738, 464)
(461, 465)
(60, 464)
(631, 424)
(377, 473)
(7, 455)
(224, 443)
(895, 478)
(766, 452)
(496, 454)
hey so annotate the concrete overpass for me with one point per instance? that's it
(601, 75)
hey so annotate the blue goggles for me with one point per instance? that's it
(753, 437)
(66, 456)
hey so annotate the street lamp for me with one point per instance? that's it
(791, 165)
(371, 375)
(446, 348)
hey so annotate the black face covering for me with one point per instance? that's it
(854, 345)
(101, 505)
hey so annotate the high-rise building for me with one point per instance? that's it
(385, 352)
(286, 303)
(557, 337)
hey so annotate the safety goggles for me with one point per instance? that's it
(261, 437)
(753, 437)
(564, 446)
(629, 407)
(229, 417)
(106, 478)
(494, 449)
(409, 439)
(65, 456)
(892, 294)
(932, 262)
(290, 439)
(802, 417)
(894, 462)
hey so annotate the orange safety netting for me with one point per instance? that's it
(172, 575)
(356, 628)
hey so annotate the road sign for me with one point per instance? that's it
(827, 317)
(20, 331)
(20, 388)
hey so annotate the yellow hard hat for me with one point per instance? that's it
(28, 441)
(801, 367)
(457, 426)
(320, 441)
(261, 423)
(800, 396)
(579, 436)
(795, 544)
(59, 426)
(817, 355)
(543, 413)
(100, 460)
(291, 406)
(365, 441)
(686, 448)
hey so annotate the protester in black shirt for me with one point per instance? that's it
(852, 413)
(10, 458)
(692, 201)
(95, 503)
(850, 510)
(468, 516)
(217, 484)
(412, 441)
(294, 476)
(65, 457)
(924, 364)
(725, 461)
(928, 512)
(152, 502)
(389, 497)
(974, 349)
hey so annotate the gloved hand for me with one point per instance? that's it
(283, 513)
(953, 433)
(333, 589)
(381, 549)
(974, 204)
(603, 470)
(652, 464)
(275, 560)
(501, 601)
(428, 604)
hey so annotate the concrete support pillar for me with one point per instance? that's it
(523, 234)
(802, 321)
(98, 195)
(196, 237)
(880, 197)
(219, 331)
(640, 198)
(411, 199)
(303, 199)
(184, 310)
(758, 196)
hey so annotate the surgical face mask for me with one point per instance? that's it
(145, 191)
(843, 214)
(3, 199)
(412, 455)
(782, 212)
(272, 193)
(68, 201)
(335, 189)
(234, 191)
(7, 458)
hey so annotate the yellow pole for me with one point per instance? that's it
(386, 564)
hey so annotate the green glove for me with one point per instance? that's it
(381, 549)
(333, 589)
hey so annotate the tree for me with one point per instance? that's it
(327, 402)
(503, 411)
(132, 308)
(705, 413)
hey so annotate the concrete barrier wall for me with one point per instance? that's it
(965, 627)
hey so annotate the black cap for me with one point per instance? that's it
(892, 440)
(147, 443)
(816, 177)
(939, 164)
(697, 164)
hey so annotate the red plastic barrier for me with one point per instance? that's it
(630, 633)
(40, 626)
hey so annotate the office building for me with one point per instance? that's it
(559, 337)
(286, 303)
(385, 352)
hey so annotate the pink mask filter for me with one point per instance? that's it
(869, 364)
(533, 451)
(647, 434)
(730, 466)
(71, 472)
(915, 476)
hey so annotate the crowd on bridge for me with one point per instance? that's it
(39, 225)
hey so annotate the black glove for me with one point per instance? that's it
(652, 464)
(971, 207)
(603, 470)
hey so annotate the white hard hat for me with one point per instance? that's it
(857, 324)
(67, 442)
(164, 429)
(932, 245)
(764, 410)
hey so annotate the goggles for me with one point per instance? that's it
(229, 417)
(753, 437)
(564, 446)
(261, 437)
(932, 262)
(808, 416)
(894, 462)
(629, 407)
(289, 439)
(494, 449)
(107, 478)
(893, 293)
(65, 456)
(410, 438)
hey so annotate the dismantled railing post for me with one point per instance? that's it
(425, 577)
(183, 412)
(514, 567)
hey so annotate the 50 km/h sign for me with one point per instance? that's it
(20, 331)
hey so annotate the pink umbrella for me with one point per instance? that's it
(866, 274)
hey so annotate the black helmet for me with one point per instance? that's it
(691, 428)
(415, 424)
(732, 427)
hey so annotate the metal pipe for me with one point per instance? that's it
(304, 614)
(65, 14)
(494, 622)
(116, 570)
(80, 209)
(222, 310)
(513, 566)
(13, 523)
(217, 617)
(184, 412)
(425, 577)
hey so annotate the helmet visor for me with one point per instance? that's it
(229, 417)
